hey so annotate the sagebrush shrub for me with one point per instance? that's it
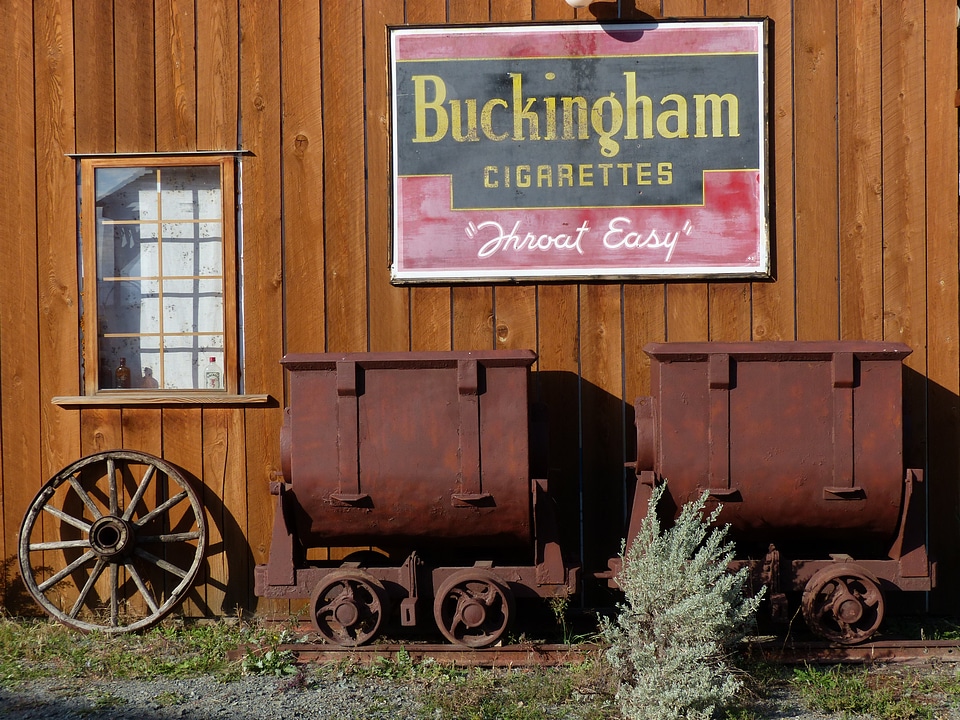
(682, 613)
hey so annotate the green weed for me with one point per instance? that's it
(860, 692)
(582, 691)
(31, 649)
(270, 662)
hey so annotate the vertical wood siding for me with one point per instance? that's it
(863, 169)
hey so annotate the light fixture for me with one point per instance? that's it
(578, 3)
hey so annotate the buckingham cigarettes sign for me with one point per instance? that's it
(578, 151)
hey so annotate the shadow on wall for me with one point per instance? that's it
(14, 598)
(224, 586)
(590, 435)
(931, 431)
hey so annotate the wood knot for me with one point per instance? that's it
(300, 143)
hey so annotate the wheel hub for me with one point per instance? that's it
(347, 613)
(849, 609)
(111, 536)
(473, 614)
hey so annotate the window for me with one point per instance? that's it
(159, 269)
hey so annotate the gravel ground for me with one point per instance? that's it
(256, 697)
(326, 696)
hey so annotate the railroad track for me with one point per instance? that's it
(900, 651)
(545, 655)
(523, 655)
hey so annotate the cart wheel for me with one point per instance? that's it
(843, 603)
(473, 608)
(130, 538)
(349, 607)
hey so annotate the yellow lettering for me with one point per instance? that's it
(523, 115)
(523, 176)
(605, 169)
(551, 106)
(608, 146)
(644, 170)
(457, 129)
(679, 114)
(486, 119)
(665, 173)
(716, 113)
(633, 100)
(580, 105)
(586, 175)
(545, 176)
(436, 105)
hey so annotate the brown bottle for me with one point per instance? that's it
(123, 374)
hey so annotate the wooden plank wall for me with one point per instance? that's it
(863, 167)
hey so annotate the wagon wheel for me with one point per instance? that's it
(843, 603)
(113, 542)
(348, 607)
(473, 608)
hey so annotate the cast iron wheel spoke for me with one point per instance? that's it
(339, 599)
(871, 597)
(473, 607)
(843, 603)
(97, 514)
(349, 607)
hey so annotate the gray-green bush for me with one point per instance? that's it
(682, 614)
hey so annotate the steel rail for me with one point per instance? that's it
(549, 655)
(880, 651)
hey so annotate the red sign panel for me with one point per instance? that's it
(548, 152)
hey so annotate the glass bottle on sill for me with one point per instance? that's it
(213, 376)
(123, 374)
(149, 381)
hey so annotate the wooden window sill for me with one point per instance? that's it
(154, 399)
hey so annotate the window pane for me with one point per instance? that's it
(128, 307)
(186, 253)
(124, 193)
(131, 354)
(193, 306)
(185, 360)
(160, 285)
(191, 193)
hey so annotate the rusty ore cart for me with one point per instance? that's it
(802, 443)
(424, 457)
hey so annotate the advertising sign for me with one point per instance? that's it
(576, 151)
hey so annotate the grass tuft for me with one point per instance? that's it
(33, 649)
(898, 693)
